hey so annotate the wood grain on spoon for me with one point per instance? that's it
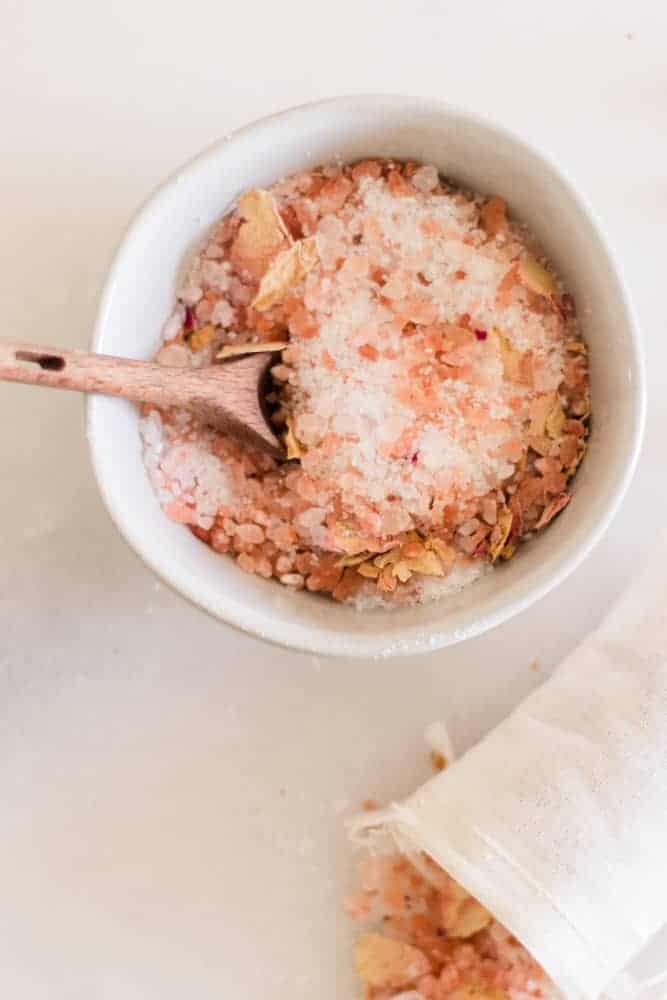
(229, 396)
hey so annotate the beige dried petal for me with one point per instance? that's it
(577, 462)
(542, 445)
(235, 350)
(554, 507)
(508, 551)
(384, 963)
(402, 570)
(368, 570)
(540, 409)
(445, 552)
(260, 211)
(410, 550)
(348, 541)
(293, 447)
(555, 421)
(352, 560)
(386, 581)
(535, 277)
(471, 918)
(284, 272)
(500, 533)
(201, 338)
(428, 564)
(388, 558)
(511, 360)
(262, 233)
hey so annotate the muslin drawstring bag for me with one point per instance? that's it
(557, 820)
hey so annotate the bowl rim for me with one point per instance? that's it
(318, 641)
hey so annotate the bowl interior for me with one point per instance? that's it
(140, 293)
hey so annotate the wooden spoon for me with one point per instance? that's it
(228, 396)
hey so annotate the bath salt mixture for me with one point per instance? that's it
(426, 938)
(431, 385)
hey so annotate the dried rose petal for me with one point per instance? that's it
(402, 569)
(264, 347)
(500, 533)
(284, 272)
(555, 421)
(293, 447)
(261, 235)
(427, 564)
(536, 277)
(368, 570)
(553, 507)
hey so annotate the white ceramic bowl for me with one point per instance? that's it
(139, 295)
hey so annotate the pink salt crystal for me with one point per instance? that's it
(263, 567)
(250, 533)
(425, 179)
(489, 510)
(178, 511)
(311, 518)
(246, 562)
(191, 295)
(284, 564)
(204, 310)
(222, 314)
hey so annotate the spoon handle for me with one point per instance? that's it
(228, 396)
(140, 381)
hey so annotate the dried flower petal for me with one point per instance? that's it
(445, 552)
(555, 421)
(236, 350)
(388, 558)
(293, 447)
(352, 560)
(387, 582)
(402, 570)
(540, 409)
(535, 277)
(261, 235)
(427, 564)
(368, 570)
(500, 533)
(511, 359)
(552, 508)
(347, 540)
(285, 271)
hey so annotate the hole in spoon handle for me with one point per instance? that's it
(47, 362)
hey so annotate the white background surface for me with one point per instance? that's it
(170, 790)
